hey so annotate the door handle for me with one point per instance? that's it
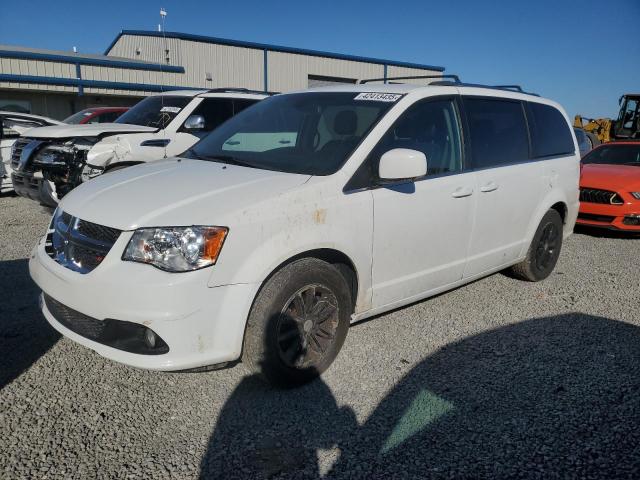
(462, 192)
(489, 187)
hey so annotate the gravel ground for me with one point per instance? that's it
(496, 379)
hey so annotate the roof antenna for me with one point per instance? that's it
(163, 14)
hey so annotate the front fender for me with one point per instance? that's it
(266, 236)
(109, 150)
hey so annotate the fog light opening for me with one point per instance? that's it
(150, 338)
(633, 220)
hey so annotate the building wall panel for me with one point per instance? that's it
(290, 71)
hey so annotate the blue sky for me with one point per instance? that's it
(583, 54)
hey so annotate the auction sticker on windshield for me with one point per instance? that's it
(378, 97)
(170, 109)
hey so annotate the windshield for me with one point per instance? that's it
(76, 118)
(308, 133)
(615, 155)
(157, 111)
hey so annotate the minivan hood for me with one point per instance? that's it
(174, 192)
(90, 130)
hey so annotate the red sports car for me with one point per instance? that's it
(610, 187)
(96, 115)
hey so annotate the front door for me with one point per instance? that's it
(422, 229)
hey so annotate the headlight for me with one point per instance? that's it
(58, 154)
(636, 195)
(176, 249)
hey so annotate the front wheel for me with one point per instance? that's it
(544, 251)
(298, 322)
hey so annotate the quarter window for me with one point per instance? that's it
(550, 134)
(430, 127)
(498, 132)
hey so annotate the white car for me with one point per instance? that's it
(12, 125)
(303, 214)
(49, 162)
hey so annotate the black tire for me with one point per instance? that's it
(593, 138)
(544, 250)
(288, 343)
(48, 195)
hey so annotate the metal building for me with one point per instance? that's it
(137, 63)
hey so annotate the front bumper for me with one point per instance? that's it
(34, 186)
(612, 217)
(26, 185)
(201, 325)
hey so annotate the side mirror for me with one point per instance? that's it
(194, 122)
(402, 164)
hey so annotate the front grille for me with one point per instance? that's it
(594, 195)
(17, 148)
(75, 321)
(97, 232)
(596, 218)
(127, 336)
(77, 244)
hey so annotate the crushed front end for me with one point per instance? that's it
(46, 170)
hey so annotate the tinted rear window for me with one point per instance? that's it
(550, 134)
(498, 132)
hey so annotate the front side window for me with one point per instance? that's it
(310, 133)
(214, 111)
(157, 111)
(430, 127)
(498, 132)
(614, 155)
(550, 133)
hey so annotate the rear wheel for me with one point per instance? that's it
(298, 322)
(593, 139)
(544, 251)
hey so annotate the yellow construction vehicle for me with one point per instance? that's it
(626, 127)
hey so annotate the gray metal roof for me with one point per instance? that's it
(270, 47)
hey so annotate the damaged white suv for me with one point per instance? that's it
(304, 213)
(49, 162)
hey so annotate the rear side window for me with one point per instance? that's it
(550, 134)
(498, 132)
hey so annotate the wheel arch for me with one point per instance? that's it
(553, 201)
(562, 208)
(335, 257)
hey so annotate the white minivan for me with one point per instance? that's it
(304, 213)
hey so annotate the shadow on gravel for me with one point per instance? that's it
(554, 397)
(24, 334)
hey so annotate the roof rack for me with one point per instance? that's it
(510, 88)
(412, 77)
(450, 80)
(517, 88)
(238, 90)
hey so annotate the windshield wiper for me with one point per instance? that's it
(228, 159)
